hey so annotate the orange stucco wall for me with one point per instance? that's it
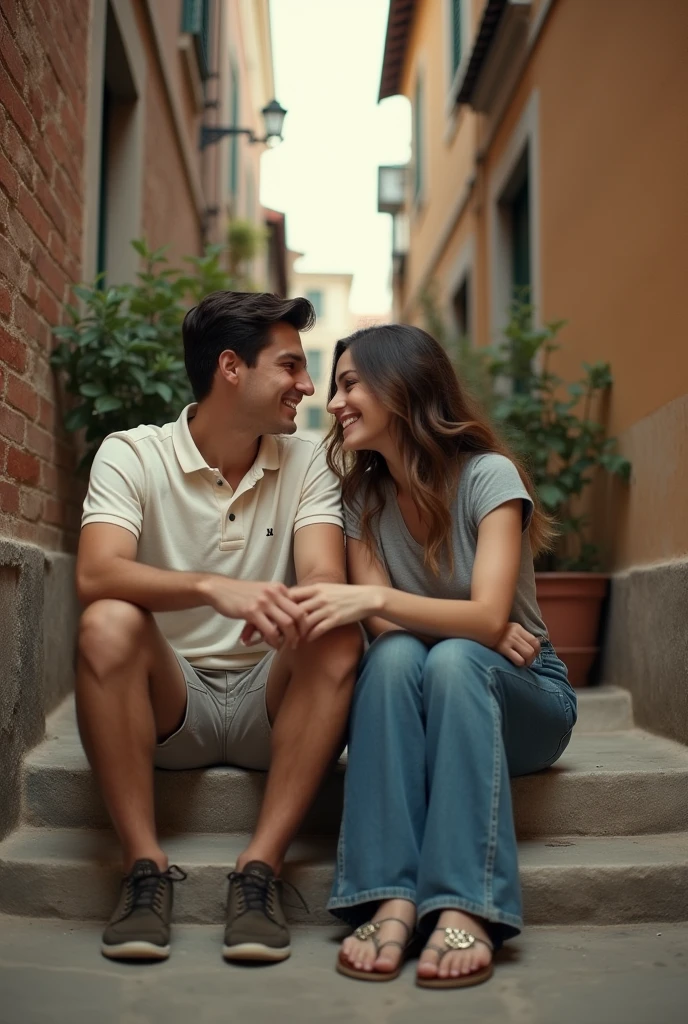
(613, 215)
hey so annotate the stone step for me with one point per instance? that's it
(607, 783)
(73, 874)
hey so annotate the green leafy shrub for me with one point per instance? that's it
(556, 428)
(121, 354)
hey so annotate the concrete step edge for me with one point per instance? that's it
(74, 874)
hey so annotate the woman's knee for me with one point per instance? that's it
(456, 669)
(111, 633)
(393, 660)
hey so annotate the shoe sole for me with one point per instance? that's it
(135, 950)
(256, 951)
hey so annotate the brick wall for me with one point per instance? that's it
(43, 77)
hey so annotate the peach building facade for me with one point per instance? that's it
(549, 150)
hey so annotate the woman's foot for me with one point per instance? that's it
(364, 956)
(455, 963)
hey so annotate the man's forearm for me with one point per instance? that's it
(158, 590)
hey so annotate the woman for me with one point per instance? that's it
(441, 531)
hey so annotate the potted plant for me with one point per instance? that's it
(557, 431)
(121, 355)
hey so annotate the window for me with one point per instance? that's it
(234, 139)
(461, 308)
(315, 297)
(314, 359)
(118, 217)
(418, 140)
(455, 8)
(196, 21)
(314, 418)
(520, 242)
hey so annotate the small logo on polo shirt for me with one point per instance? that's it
(269, 533)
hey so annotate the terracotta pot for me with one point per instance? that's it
(571, 603)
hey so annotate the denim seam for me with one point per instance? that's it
(340, 858)
(496, 793)
(555, 691)
(368, 895)
(449, 902)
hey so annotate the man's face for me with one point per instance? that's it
(276, 384)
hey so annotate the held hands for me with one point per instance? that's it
(328, 605)
(518, 645)
(270, 613)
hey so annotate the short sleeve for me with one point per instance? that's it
(494, 480)
(321, 496)
(352, 518)
(116, 487)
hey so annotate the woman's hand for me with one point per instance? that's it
(518, 645)
(328, 605)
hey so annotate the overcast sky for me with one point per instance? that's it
(328, 58)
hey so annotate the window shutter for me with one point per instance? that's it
(418, 139)
(196, 21)
(192, 16)
(456, 34)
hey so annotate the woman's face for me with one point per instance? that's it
(364, 420)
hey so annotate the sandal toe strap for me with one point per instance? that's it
(370, 929)
(458, 939)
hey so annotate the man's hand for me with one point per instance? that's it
(265, 607)
(328, 605)
(518, 645)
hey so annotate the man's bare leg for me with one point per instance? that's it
(308, 699)
(130, 691)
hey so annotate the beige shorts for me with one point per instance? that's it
(226, 720)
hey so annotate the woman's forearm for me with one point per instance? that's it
(437, 617)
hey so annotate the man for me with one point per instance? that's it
(190, 648)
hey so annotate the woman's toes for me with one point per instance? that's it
(427, 966)
(386, 963)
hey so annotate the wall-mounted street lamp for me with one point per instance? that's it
(273, 117)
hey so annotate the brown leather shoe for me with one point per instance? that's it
(139, 928)
(256, 927)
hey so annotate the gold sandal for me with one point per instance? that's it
(457, 938)
(369, 930)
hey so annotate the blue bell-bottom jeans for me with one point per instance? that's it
(435, 733)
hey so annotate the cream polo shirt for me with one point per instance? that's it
(154, 482)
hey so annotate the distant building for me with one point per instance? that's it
(330, 295)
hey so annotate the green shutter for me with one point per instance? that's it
(196, 21)
(234, 143)
(456, 34)
(418, 139)
(192, 16)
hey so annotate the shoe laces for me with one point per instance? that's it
(256, 892)
(147, 891)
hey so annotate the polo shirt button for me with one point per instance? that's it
(231, 517)
(220, 482)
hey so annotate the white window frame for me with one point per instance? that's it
(525, 136)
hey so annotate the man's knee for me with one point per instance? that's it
(337, 653)
(111, 633)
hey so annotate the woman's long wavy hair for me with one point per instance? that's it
(436, 425)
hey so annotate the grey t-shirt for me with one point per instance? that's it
(486, 482)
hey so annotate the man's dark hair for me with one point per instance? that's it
(239, 321)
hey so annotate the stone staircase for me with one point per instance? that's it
(603, 835)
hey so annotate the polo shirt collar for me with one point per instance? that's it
(191, 460)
